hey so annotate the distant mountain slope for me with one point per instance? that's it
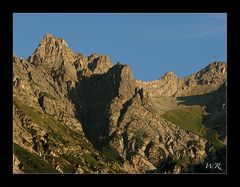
(202, 82)
(77, 114)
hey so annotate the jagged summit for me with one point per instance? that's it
(99, 64)
(49, 38)
(53, 53)
(218, 66)
(50, 47)
(213, 68)
(214, 73)
(218, 63)
(50, 43)
(94, 55)
(169, 75)
(48, 35)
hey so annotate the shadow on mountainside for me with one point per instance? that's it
(214, 106)
(91, 97)
(214, 119)
(215, 162)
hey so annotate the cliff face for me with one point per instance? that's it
(80, 114)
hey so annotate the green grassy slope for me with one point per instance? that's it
(192, 119)
(60, 134)
(31, 163)
(189, 118)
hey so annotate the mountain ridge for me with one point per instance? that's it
(64, 101)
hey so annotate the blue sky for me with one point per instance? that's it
(152, 44)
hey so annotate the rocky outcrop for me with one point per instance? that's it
(93, 94)
(36, 88)
(99, 64)
(202, 82)
(166, 86)
(205, 81)
(77, 114)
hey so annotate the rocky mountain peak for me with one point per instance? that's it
(218, 66)
(213, 69)
(51, 49)
(49, 39)
(170, 73)
(93, 56)
(99, 64)
(50, 44)
(122, 72)
(55, 57)
(205, 80)
(169, 76)
(167, 85)
(47, 36)
(122, 79)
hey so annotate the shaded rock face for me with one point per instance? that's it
(92, 97)
(77, 114)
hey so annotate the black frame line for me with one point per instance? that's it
(231, 7)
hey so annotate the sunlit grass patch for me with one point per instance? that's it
(189, 118)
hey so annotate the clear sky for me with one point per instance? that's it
(152, 44)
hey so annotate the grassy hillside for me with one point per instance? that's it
(59, 130)
(192, 119)
(189, 118)
(60, 134)
(31, 163)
